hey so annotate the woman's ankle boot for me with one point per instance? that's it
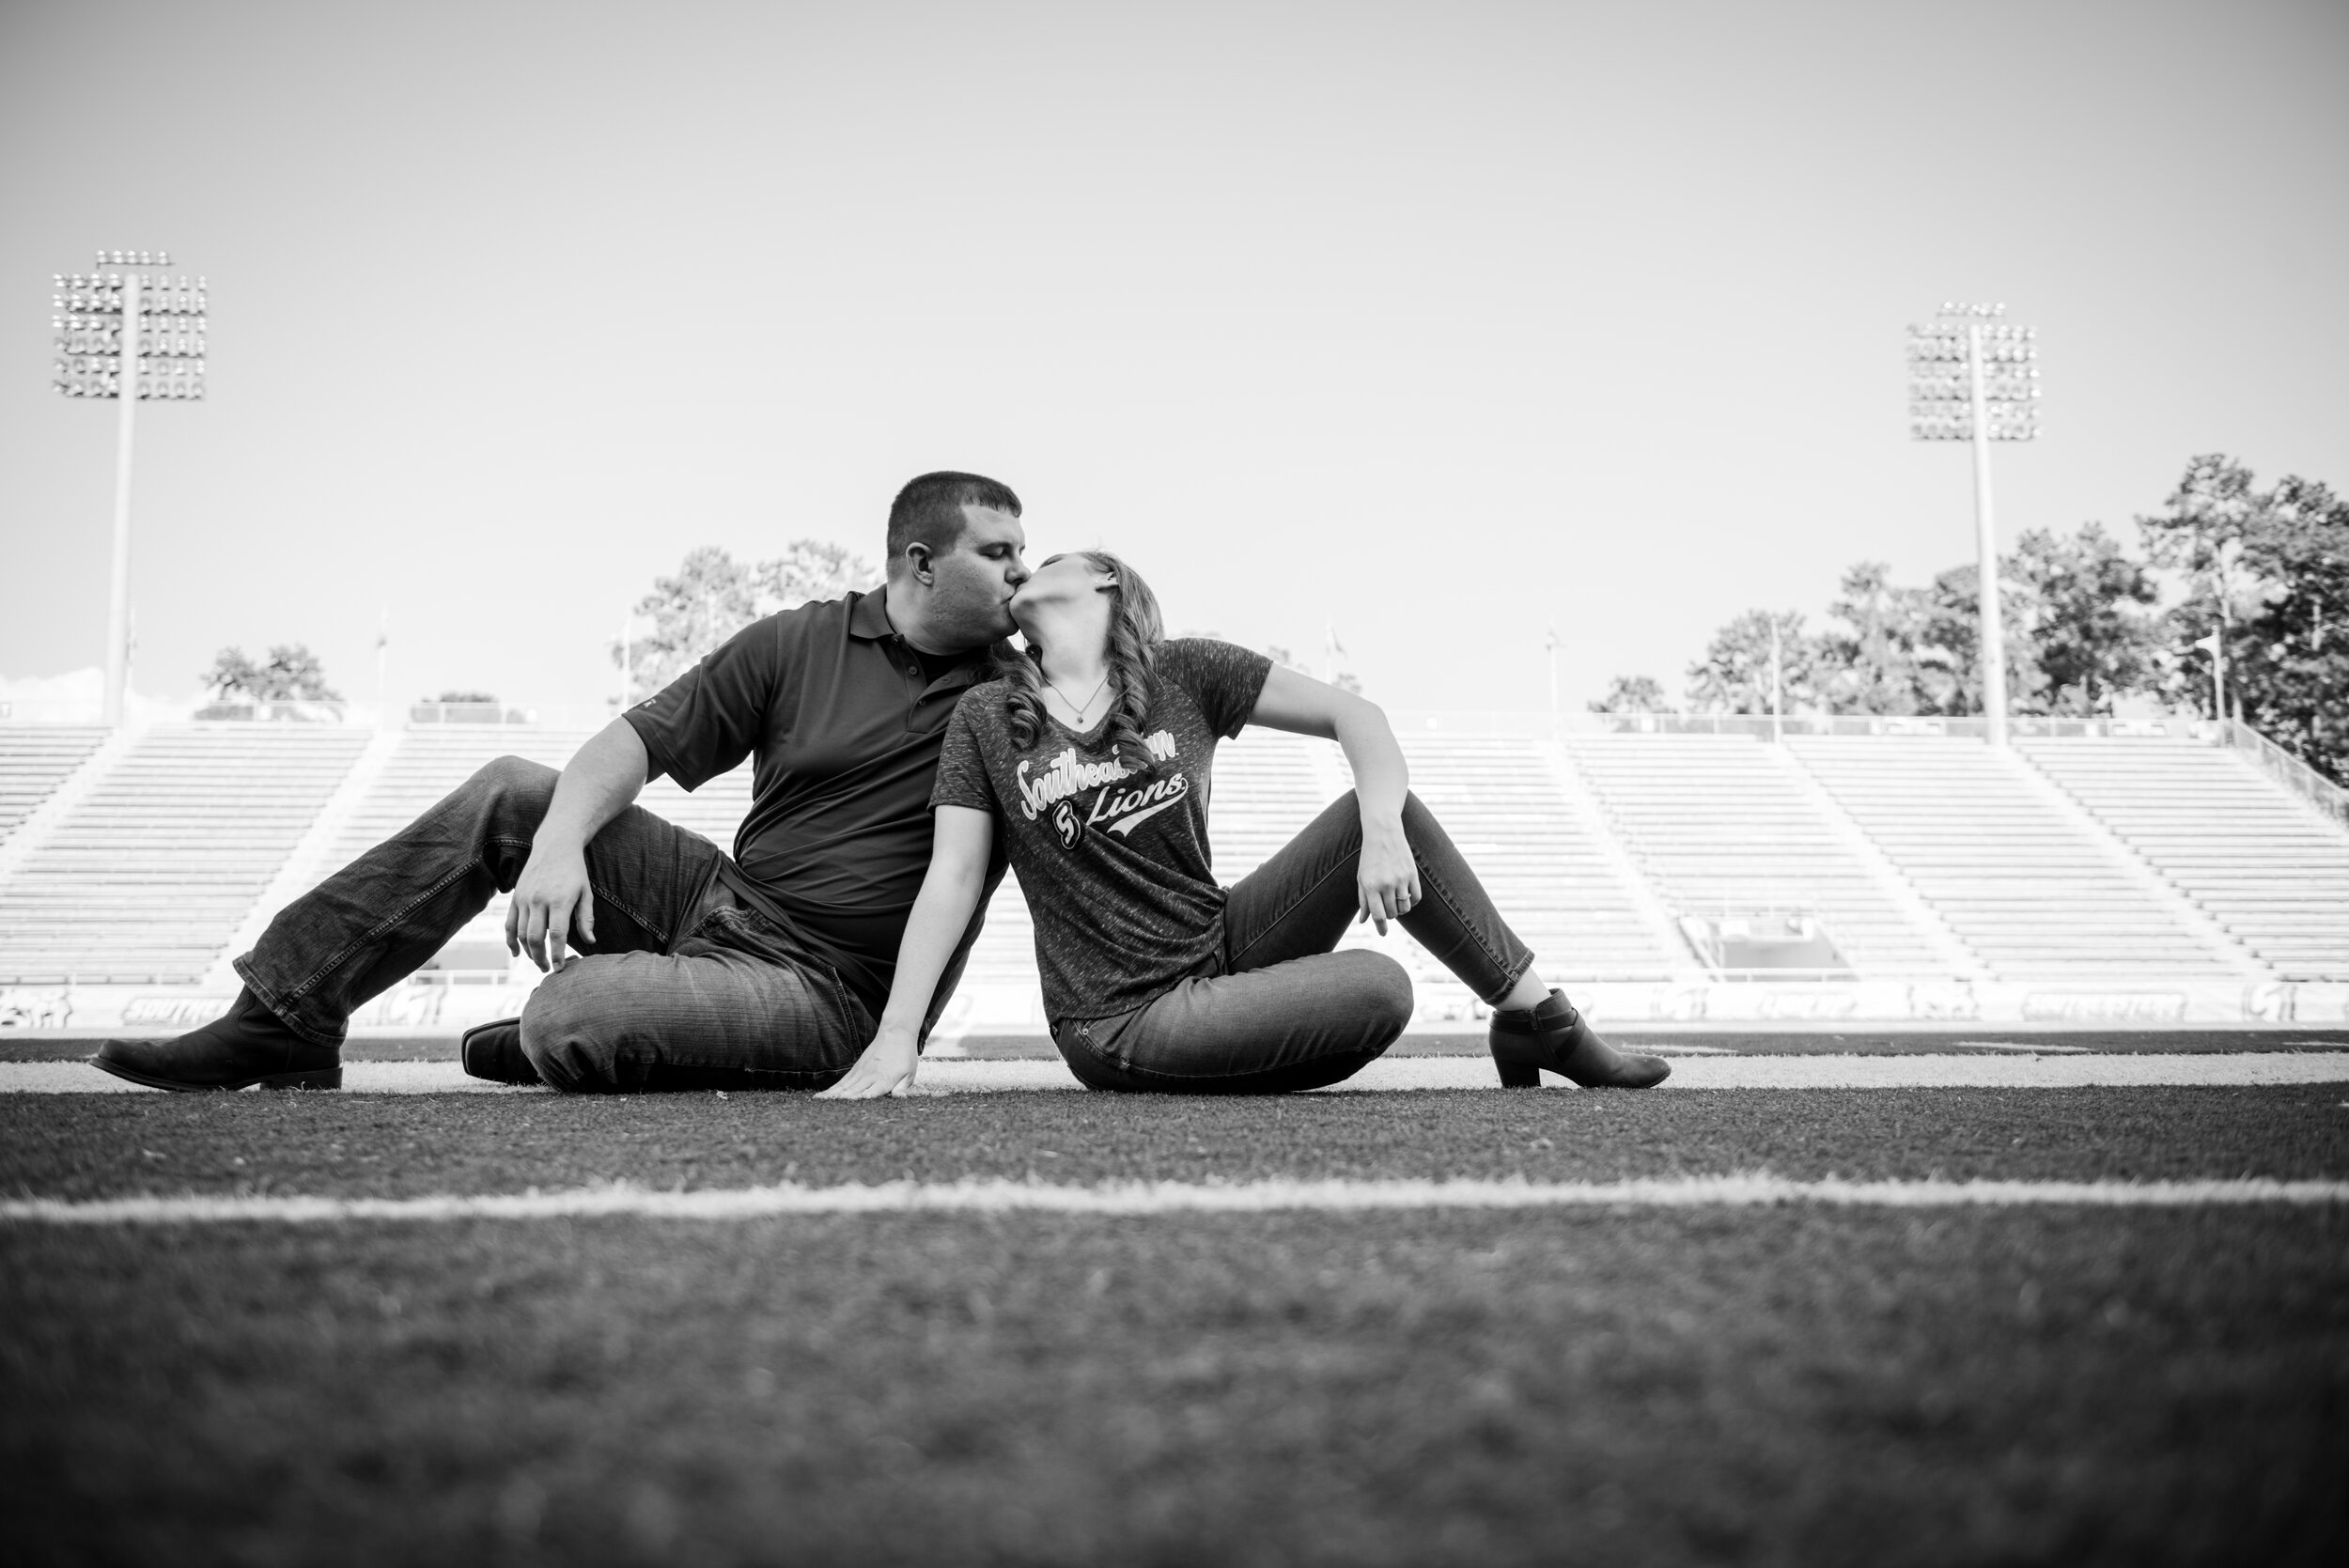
(1554, 1035)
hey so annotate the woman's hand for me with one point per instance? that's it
(887, 1067)
(1385, 878)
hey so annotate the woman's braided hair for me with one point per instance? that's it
(1136, 630)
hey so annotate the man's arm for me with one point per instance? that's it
(599, 783)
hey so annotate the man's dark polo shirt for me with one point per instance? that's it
(846, 729)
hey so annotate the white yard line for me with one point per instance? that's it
(980, 1076)
(1163, 1198)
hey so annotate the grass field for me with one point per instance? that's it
(1801, 1382)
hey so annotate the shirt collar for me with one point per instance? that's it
(869, 621)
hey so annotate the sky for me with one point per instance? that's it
(1436, 326)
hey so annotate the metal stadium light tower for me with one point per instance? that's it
(127, 333)
(1971, 377)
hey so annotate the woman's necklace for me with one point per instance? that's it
(1079, 709)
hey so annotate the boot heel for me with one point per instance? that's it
(317, 1078)
(1518, 1075)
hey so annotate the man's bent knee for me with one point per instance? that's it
(572, 1031)
(512, 775)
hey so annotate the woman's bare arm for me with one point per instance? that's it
(1387, 883)
(961, 841)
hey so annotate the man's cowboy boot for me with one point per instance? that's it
(494, 1051)
(245, 1046)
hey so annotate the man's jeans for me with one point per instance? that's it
(1286, 1013)
(683, 986)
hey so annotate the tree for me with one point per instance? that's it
(2291, 663)
(2086, 621)
(713, 596)
(290, 674)
(1872, 664)
(2079, 621)
(1733, 676)
(2272, 569)
(1946, 647)
(808, 570)
(1632, 694)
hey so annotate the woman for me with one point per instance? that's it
(1093, 756)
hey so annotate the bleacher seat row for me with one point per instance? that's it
(1923, 856)
(34, 761)
(151, 874)
(2263, 866)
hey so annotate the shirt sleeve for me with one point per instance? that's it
(1223, 678)
(707, 719)
(963, 779)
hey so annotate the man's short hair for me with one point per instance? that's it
(930, 511)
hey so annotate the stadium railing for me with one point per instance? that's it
(2290, 772)
(1545, 725)
(557, 716)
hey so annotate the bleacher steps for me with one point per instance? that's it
(149, 856)
(1330, 770)
(304, 868)
(33, 830)
(1552, 870)
(1583, 803)
(2036, 894)
(1722, 825)
(1963, 961)
(2253, 857)
(144, 877)
(2123, 854)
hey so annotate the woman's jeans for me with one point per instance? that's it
(683, 986)
(1286, 1013)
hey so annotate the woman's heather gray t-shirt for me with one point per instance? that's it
(1114, 862)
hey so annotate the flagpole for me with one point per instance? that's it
(1550, 642)
(1778, 684)
(2219, 665)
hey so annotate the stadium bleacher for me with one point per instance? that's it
(35, 759)
(1267, 787)
(2030, 893)
(2261, 864)
(147, 877)
(1926, 856)
(1721, 825)
(1504, 802)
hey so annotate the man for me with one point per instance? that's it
(694, 969)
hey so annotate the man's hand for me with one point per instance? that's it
(1385, 878)
(887, 1067)
(551, 892)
